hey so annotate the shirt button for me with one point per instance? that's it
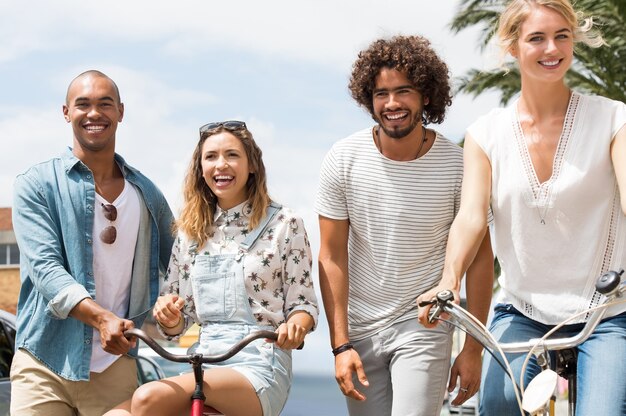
(88, 176)
(89, 241)
(88, 341)
(90, 273)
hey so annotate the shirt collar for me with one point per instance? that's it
(70, 161)
(242, 210)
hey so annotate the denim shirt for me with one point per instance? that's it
(53, 215)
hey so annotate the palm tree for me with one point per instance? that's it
(595, 70)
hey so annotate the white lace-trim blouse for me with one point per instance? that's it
(553, 239)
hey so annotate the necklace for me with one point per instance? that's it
(548, 194)
(380, 147)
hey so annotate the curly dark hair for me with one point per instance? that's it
(413, 56)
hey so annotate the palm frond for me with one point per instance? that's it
(475, 82)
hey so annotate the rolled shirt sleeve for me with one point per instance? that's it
(39, 238)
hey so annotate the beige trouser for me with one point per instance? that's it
(35, 390)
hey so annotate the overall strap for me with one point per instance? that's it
(272, 209)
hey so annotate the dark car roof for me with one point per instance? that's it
(7, 328)
(7, 322)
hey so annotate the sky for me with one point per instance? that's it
(281, 66)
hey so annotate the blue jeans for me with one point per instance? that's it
(601, 355)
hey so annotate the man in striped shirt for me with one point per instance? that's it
(388, 195)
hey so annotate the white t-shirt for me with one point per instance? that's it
(400, 214)
(555, 238)
(113, 264)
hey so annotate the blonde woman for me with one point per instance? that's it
(552, 168)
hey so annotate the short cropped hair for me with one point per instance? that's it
(93, 73)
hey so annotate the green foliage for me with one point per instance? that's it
(475, 82)
(484, 13)
(595, 70)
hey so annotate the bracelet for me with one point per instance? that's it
(342, 348)
(180, 318)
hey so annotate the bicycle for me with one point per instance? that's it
(198, 407)
(539, 397)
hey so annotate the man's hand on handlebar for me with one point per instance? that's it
(110, 326)
(426, 301)
(112, 339)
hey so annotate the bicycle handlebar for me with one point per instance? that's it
(206, 359)
(609, 284)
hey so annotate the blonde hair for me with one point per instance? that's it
(199, 202)
(517, 11)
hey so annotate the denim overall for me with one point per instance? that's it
(222, 307)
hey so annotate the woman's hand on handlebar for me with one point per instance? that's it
(290, 336)
(291, 333)
(426, 301)
(167, 310)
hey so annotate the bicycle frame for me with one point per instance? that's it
(198, 407)
(609, 284)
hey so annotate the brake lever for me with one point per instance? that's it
(442, 298)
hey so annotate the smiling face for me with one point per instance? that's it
(225, 168)
(545, 48)
(93, 108)
(397, 104)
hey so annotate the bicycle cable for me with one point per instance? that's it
(459, 326)
(556, 328)
(482, 331)
(488, 349)
(480, 328)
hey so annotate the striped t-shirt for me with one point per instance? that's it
(400, 214)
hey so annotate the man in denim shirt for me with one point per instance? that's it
(94, 234)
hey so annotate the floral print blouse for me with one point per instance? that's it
(277, 269)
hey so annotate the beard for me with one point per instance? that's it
(397, 132)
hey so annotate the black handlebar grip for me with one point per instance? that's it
(426, 303)
(609, 281)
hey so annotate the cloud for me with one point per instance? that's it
(323, 32)
(27, 134)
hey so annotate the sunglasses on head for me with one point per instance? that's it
(228, 125)
(109, 233)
